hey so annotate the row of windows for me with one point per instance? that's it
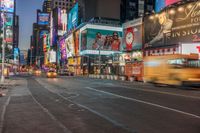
(63, 3)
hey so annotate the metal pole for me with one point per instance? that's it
(3, 53)
(99, 60)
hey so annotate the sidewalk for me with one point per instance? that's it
(8, 83)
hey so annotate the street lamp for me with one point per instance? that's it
(3, 50)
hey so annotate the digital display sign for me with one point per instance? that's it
(160, 4)
(106, 40)
(63, 50)
(7, 18)
(9, 35)
(62, 21)
(70, 46)
(43, 32)
(7, 5)
(16, 54)
(43, 18)
(73, 18)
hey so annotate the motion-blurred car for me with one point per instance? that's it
(65, 72)
(51, 74)
(37, 72)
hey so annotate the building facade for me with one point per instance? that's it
(132, 9)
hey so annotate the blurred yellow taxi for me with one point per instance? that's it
(51, 74)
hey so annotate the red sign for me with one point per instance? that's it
(198, 47)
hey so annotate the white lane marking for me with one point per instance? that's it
(161, 92)
(3, 114)
(97, 113)
(66, 130)
(144, 102)
(87, 108)
(145, 90)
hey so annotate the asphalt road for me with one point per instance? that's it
(83, 105)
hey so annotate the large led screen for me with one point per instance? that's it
(43, 18)
(62, 21)
(16, 53)
(132, 35)
(63, 50)
(43, 32)
(7, 5)
(73, 17)
(70, 46)
(94, 39)
(7, 18)
(160, 4)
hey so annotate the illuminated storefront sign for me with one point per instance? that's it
(95, 52)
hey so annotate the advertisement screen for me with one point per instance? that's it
(77, 33)
(70, 46)
(7, 18)
(63, 50)
(62, 21)
(16, 54)
(7, 5)
(95, 39)
(9, 34)
(52, 56)
(43, 32)
(160, 4)
(132, 35)
(43, 18)
(175, 26)
(73, 18)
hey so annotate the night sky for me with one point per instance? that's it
(26, 9)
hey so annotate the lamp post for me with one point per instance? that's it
(3, 50)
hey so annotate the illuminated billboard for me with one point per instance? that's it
(16, 54)
(7, 5)
(107, 39)
(7, 18)
(52, 56)
(63, 50)
(160, 4)
(8, 34)
(43, 18)
(43, 32)
(174, 26)
(73, 17)
(132, 35)
(62, 21)
(70, 46)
